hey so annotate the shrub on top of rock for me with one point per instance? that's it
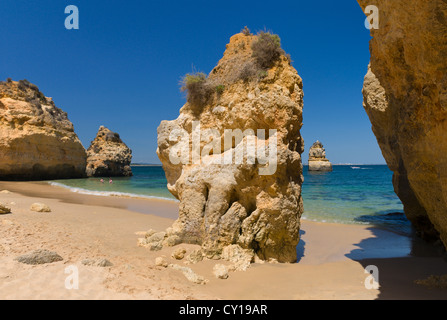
(198, 90)
(267, 49)
(246, 31)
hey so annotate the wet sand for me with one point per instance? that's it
(332, 258)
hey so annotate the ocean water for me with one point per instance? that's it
(349, 195)
(354, 194)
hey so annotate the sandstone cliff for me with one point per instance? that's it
(37, 141)
(405, 96)
(317, 158)
(108, 156)
(255, 202)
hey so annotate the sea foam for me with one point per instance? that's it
(107, 193)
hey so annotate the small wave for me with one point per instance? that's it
(108, 193)
(355, 168)
(335, 221)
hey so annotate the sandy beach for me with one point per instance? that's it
(332, 258)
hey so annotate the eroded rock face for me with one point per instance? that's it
(405, 96)
(317, 158)
(108, 156)
(255, 204)
(37, 141)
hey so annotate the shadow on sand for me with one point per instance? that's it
(300, 248)
(401, 260)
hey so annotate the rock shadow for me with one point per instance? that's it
(401, 260)
(301, 247)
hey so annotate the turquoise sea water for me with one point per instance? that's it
(350, 194)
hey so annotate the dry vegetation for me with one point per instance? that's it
(266, 51)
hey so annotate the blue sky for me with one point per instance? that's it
(122, 67)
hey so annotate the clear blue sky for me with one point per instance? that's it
(122, 67)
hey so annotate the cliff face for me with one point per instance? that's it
(317, 158)
(37, 141)
(255, 202)
(405, 96)
(108, 156)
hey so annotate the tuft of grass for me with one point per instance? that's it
(246, 31)
(220, 89)
(248, 71)
(262, 74)
(267, 49)
(198, 90)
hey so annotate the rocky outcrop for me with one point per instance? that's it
(37, 141)
(317, 158)
(405, 96)
(246, 191)
(108, 156)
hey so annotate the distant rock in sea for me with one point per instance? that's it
(317, 158)
(37, 141)
(254, 204)
(108, 156)
(405, 97)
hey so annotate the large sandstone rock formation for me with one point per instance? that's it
(108, 156)
(37, 141)
(254, 204)
(317, 158)
(405, 96)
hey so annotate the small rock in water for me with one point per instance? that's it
(220, 271)
(179, 254)
(40, 207)
(39, 257)
(4, 209)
